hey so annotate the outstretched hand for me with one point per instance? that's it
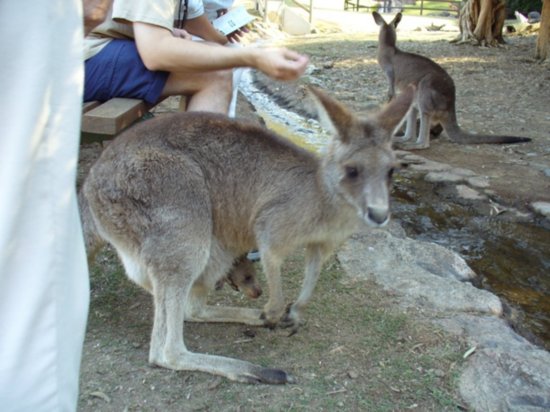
(282, 63)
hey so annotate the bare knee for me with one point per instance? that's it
(207, 91)
(215, 93)
(222, 81)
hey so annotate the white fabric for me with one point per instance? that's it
(44, 287)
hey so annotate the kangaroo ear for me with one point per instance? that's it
(378, 19)
(396, 20)
(333, 115)
(392, 113)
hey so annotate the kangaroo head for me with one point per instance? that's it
(387, 36)
(359, 162)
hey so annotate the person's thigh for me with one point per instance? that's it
(118, 71)
(208, 91)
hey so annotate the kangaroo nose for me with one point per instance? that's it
(378, 216)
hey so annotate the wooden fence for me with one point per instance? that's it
(448, 6)
(391, 6)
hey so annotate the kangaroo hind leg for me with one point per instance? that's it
(410, 126)
(171, 291)
(197, 309)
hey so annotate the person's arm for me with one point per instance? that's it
(201, 27)
(160, 50)
(95, 12)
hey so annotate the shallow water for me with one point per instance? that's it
(511, 258)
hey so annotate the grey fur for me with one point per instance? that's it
(435, 92)
(182, 196)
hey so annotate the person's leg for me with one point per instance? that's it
(44, 290)
(237, 75)
(118, 71)
(208, 91)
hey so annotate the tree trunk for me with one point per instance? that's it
(543, 41)
(481, 22)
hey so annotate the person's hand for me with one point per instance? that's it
(95, 12)
(235, 37)
(281, 63)
(181, 33)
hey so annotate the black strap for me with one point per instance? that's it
(182, 14)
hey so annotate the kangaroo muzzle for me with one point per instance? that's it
(378, 216)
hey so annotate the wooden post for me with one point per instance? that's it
(543, 39)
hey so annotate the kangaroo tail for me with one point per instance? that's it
(457, 135)
(92, 239)
(466, 138)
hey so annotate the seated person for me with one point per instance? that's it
(137, 52)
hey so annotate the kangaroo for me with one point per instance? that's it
(180, 197)
(435, 92)
(242, 277)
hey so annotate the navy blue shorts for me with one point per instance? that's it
(118, 71)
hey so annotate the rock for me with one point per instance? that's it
(499, 380)
(448, 177)
(533, 17)
(503, 372)
(542, 208)
(468, 193)
(478, 182)
(424, 274)
(293, 21)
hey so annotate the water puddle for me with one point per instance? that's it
(511, 258)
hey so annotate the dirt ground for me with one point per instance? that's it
(357, 351)
(499, 91)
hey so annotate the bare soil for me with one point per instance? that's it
(357, 350)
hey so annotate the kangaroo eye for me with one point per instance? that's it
(351, 172)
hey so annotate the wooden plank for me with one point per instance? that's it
(113, 116)
(87, 106)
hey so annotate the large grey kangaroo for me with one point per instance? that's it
(435, 92)
(180, 197)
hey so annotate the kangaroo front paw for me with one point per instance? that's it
(272, 316)
(292, 319)
(267, 323)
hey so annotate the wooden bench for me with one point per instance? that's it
(111, 117)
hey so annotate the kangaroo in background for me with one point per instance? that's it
(435, 92)
(180, 197)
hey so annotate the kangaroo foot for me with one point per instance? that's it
(400, 138)
(233, 369)
(412, 146)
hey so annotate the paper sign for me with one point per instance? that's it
(233, 20)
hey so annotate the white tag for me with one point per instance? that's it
(233, 20)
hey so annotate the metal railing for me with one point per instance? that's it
(452, 6)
